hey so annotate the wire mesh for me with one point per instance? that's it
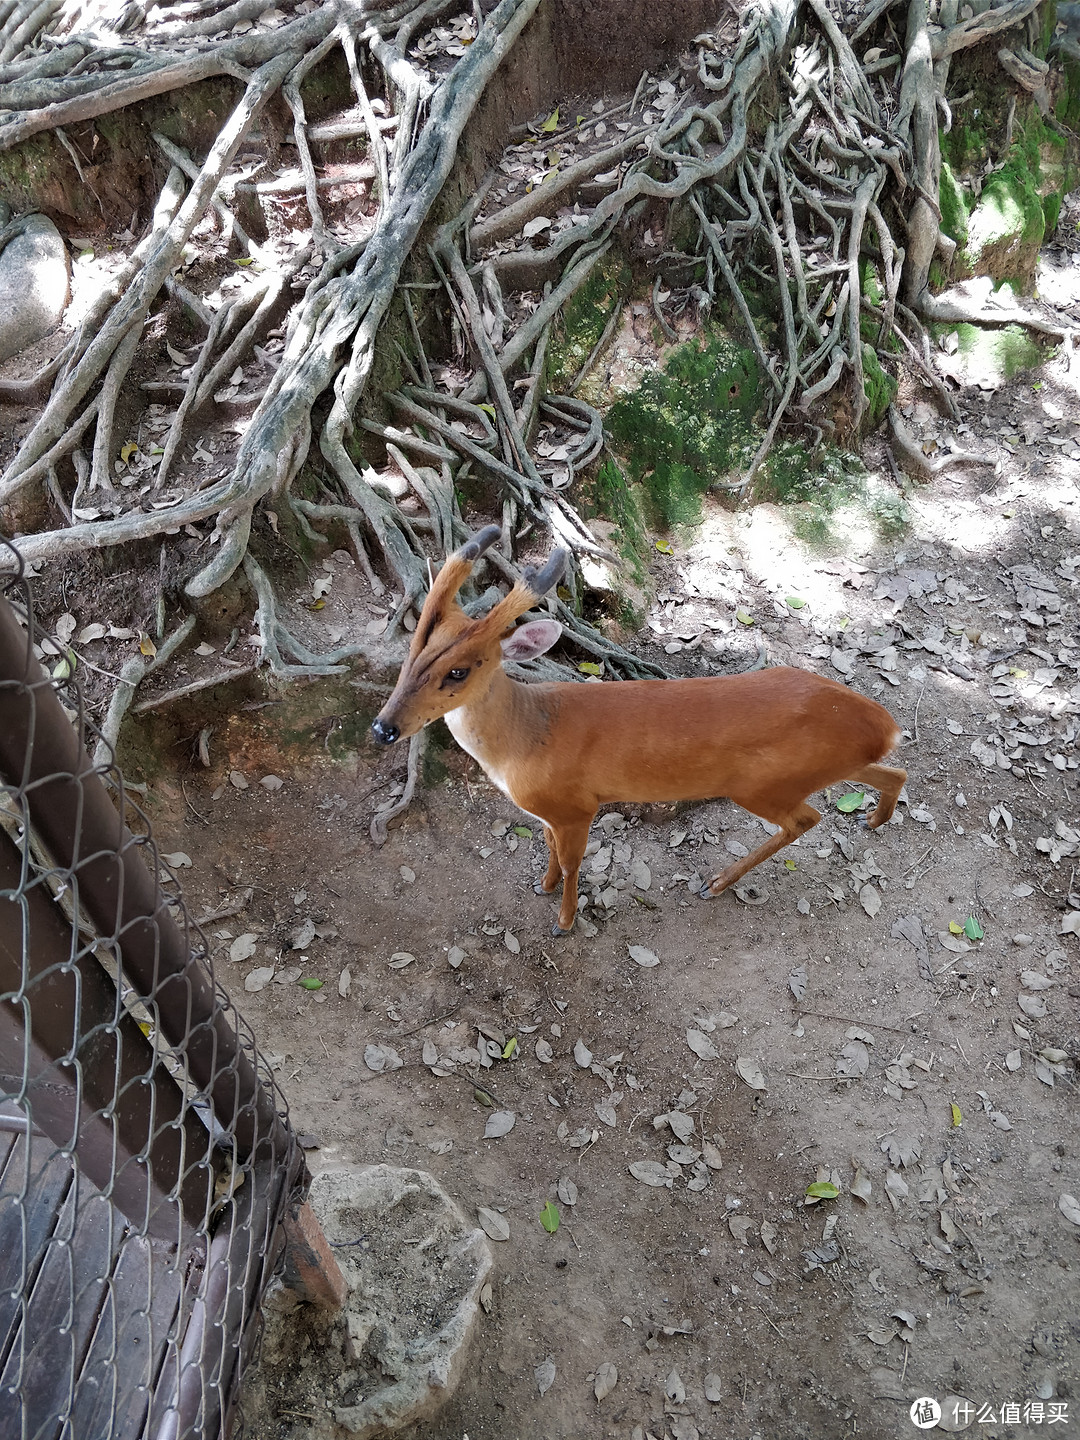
(146, 1160)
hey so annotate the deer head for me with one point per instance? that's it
(452, 659)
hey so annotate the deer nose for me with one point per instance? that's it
(384, 734)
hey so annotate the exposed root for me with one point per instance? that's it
(385, 813)
(276, 641)
(133, 673)
(915, 462)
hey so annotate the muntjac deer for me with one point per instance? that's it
(766, 740)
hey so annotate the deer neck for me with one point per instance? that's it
(495, 727)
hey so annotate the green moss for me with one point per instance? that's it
(879, 387)
(1067, 103)
(439, 743)
(1009, 209)
(994, 354)
(870, 281)
(874, 291)
(835, 504)
(582, 321)
(348, 733)
(613, 497)
(820, 485)
(688, 425)
(967, 142)
(1047, 15)
(953, 202)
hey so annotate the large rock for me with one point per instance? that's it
(414, 1285)
(35, 282)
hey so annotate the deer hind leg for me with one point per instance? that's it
(795, 823)
(888, 781)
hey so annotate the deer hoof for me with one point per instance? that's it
(538, 886)
(706, 892)
(559, 932)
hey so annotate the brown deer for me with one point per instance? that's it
(766, 740)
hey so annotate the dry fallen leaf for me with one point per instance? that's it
(1035, 980)
(243, 947)
(643, 956)
(740, 1227)
(1070, 1208)
(651, 1172)
(1034, 1006)
(854, 1059)
(496, 1227)
(382, 1057)
(499, 1123)
(545, 1375)
(701, 1045)
(674, 1389)
(607, 1377)
(750, 1071)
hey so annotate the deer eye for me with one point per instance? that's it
(456, 676)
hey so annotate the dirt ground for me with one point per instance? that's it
(929, 1076)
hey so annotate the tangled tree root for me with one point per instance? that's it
(845, 171)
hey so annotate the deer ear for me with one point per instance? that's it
(528, 641)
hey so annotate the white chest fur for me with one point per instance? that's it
(458, 724)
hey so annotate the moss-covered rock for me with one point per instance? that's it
(1000, 232)
(1007, 225)
(1067, 104)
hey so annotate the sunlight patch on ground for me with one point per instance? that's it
(764, 543)
(91, 275)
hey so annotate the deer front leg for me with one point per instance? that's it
(801, 819)
(570, 842)
(554, 871)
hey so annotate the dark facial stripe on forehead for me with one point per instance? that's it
(424, 632)
(425, 662)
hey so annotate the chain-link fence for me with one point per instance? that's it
(149, 1180)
